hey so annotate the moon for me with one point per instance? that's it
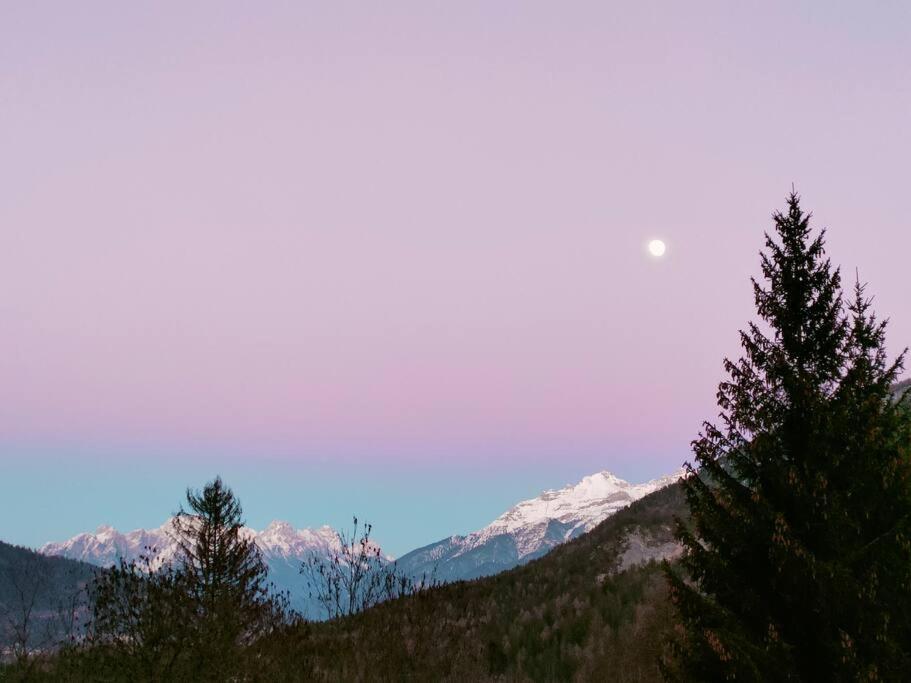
(657, 248)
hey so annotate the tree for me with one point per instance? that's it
(874, 453)
(27, 578)
(42, 602)
(142, 621)
(222, 563)
(797, 563)
(202, 616)
(224, 574)
(356, 576)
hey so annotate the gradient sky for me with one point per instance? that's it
(389, 258)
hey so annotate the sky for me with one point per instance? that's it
(389, 259)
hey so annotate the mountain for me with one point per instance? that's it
(529, 529)
(593, 609)
(283, 547)
(106, 546)
(526, 531)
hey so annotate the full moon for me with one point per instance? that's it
(657, 248)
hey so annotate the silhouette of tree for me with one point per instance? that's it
(355, 576)
(799, 557)
(191, 619)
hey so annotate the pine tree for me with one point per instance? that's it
(874, 431)
(213, 550)
(202, 617)
(797, 561)
(223, 564)
(225, 575)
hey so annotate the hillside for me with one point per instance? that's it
(39, 594)
(593, 608)
(587, 609)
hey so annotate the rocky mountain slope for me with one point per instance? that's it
(530, 529)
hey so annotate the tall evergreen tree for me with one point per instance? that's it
(225, 575)
(223, 564)
(798, 558)
(203, 617)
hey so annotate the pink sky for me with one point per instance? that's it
(419, 229)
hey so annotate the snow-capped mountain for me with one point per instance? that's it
(526, 531)
(530, 528)
(104, 547)
(283, 547)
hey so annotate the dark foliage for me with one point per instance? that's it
(223, 571)
(142, 622)
(571, 615)
(574, 614)
(800, 559)
(42, 601)
(200, 618)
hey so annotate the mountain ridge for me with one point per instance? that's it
(106, 545)
(530, 528)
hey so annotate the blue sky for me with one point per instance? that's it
(391, 259)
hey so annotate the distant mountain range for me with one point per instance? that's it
(283, 547)
(526, 531)
(106, 546)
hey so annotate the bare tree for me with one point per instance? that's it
(70, 611)
(356, 576)
(27, 579)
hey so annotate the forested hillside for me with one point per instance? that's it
(581, 610)
(41, 598)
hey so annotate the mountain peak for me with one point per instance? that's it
(279, 527)
(532, 527)
(600, 484)
(106, 546)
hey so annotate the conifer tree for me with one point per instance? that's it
(223, 564)
(797, 562)
(202, 617)
(224, 571)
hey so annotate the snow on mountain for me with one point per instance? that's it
(530, 529)
(106, 546)
(283, 548)
(526, 531)
(581, 507)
